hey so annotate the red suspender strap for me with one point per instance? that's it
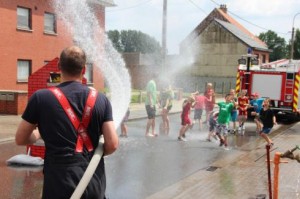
(81, 127)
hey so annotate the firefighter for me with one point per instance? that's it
(70, 136)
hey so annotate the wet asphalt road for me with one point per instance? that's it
(141, 166)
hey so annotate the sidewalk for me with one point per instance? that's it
(239, 175)
(242, 176)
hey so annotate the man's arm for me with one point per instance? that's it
(111, 140)
(26, 133)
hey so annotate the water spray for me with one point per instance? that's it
(78, 17)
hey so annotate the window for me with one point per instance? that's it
(24, 18)
(24, 70)
(89, 73)
(264, 59)
(49, 23)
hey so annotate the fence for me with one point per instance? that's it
(140, 96)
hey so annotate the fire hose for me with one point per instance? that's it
(89, 172)
(289, 154)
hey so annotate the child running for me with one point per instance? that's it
(224, 119)
(124, 125)
(256, 103)
(210, 102)
(186, 122)
(267, 121)
(167, 97)
(200, 101)
(243, 103)
(212, 125)
(234, 112)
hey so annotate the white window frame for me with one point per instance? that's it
(23, 70)
(89, 73)
(49, 23)
(24, 18)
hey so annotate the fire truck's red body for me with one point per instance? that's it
(278, 80)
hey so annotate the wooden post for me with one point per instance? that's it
(276, 174)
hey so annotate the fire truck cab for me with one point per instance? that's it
(277, 80)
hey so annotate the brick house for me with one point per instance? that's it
(139, 66)
(32, 36)
(215, 46)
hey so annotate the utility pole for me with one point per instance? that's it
(164, 35)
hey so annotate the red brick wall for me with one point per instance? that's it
(12, 102)
(21, 102)
(260, 55)
(39, 79)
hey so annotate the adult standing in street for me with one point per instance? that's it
(150, 105)
(69, 149)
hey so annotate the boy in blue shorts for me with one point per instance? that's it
(267, 121)
(213, 118)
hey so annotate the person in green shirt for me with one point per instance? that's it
(150, 104)
(224, 117)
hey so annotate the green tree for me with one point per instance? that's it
(276, 44)
(133, 41)
(114, 36)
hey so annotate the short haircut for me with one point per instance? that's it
(228, 94)
(72, 60)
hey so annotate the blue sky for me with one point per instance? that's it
(184, 15)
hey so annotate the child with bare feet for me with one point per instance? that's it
(243, 103)
(225, 109)
(212, 125)
(186, 122)
(124, 125)
(267, 121)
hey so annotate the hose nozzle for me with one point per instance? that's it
(289, 154)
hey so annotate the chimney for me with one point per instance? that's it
(223, 7)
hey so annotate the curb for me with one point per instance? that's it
(9, 139)
(145, 117)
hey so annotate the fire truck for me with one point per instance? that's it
(277, 80)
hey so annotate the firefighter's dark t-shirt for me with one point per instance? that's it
(63, 167)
